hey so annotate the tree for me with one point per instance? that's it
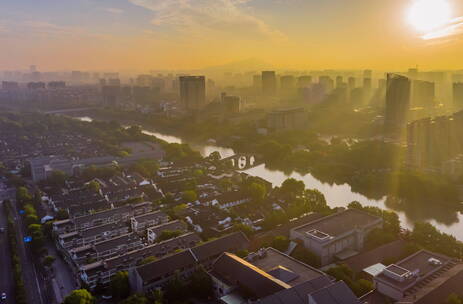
(134, 131)
(62, 214)
(225, 184)
(198, 173)
(135, 299)
(147, 260)
(168, 199)
(57, 178)
(243, 228)
(189, 196)
(120, 288)
(176, 289)
(179, 209)
(48, 260)
(257, 192)
(316, 201)
(169, 234)
(79, 296)
(93, 186)
(38, 239)
(378, 237)
(280, 243)
(292, 188)
(215, 156)
(362, 286)
(453, 298)
(201, 284)
(23, 196)
(31, 219)
(306, 256)
(355, 205)
(146, 167)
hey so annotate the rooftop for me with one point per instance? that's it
(297, 294)
(235, 271)
(338, 223)
(410, 270)
(273, 261)
(336, 293)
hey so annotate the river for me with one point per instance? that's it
(336, 195)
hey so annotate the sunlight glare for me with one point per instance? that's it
(428, 15)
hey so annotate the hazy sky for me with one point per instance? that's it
(183, 34)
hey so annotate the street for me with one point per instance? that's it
(36, 289)
(6, 273)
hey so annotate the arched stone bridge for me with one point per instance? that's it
(243, 161)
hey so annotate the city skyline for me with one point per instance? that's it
(185, 34)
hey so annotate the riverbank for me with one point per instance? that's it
(337, 194)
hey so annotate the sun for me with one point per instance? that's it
(428, 15)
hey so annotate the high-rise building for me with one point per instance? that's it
(114, 82)
(327, 83)
(397, 105)
(231, 104)
(339, 81)
(36, 85)
(269, 83)
(413, 73)
(423, 94)
(10, 85)
(351, 83)
(433, 141)
(458, 95)
(367, 74)
(192, 92)
(304, 81)
(257, 81)
(76, 76)
(367, 84)
(287, 82)
(287, 119)
(56, 85)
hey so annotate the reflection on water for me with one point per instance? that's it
(337, 195)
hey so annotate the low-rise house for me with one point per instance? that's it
(141, 222)
(114, 215)
(339, 235)
(76, 198)
(106, 249)
(101, 271)
(226, 200)
(63, 226)
(120, 197)
(92, 235)
(153, 232)
(89, 208)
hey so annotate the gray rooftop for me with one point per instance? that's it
(340, 222)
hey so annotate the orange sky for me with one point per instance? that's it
(186, 34)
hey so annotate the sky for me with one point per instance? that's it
(192, 34)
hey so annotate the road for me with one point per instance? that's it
(6, 273)
(36, 289)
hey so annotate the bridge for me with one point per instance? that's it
(243, 161)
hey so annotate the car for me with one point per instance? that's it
(3, 296)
